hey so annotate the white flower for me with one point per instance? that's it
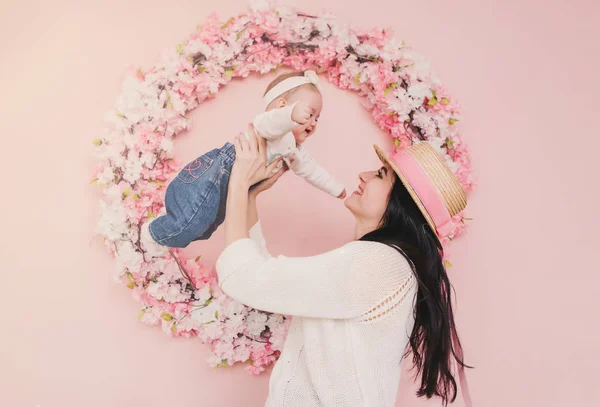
(392, 49)
(443, 126)
(170, 61)
(177, 103)
(242, 350)
(301, 27)
(113, 221)
(106, 176)
(232, 40)
(278, 335)
(202, 294)
(275, 320)
(166, 144)
(222, 53)
(367, 49)
(418, 91)
(322, 25)
(224, 348)
(425, 122)
(212, 331)
(174, 293)
(213, 360)
(112, 152)
(128, 257)
(133, 170)
(132, 102)
(234, 327)
(213, 87)
(150, 317)
(354, 70)
(399, 101)
(256, 323)
(235, 308)
(116, 126)
(153, 289)
(206, 314)
(344, 35)
(195, 46)
(147, 159)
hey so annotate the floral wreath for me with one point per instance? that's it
(136, 153)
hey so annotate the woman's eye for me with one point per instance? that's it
(379, 175)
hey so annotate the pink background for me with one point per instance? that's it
(525, 73)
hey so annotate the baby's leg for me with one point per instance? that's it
(194, 200)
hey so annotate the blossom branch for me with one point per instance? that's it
(182, 269)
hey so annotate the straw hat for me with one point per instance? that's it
(432, 185)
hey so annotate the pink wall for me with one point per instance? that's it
(526, 74)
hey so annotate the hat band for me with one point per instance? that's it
(426, 191)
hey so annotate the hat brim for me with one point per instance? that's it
(386, 160)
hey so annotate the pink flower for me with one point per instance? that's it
(255, 370)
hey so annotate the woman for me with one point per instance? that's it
(360, 308)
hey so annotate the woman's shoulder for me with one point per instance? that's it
(370, 246)
(375, 254)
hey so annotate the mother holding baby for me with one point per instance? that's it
(359, 309)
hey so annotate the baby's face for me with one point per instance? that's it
(314, 100)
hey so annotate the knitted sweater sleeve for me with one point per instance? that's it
(257, 237)
(344, 283)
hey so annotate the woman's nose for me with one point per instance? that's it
(366, 176)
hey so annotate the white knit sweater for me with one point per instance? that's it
(353, 315)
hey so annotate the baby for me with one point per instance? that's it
(195, 200)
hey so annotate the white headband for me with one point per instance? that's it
(291, 83)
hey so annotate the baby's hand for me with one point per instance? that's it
(342, 195)
(301, 113)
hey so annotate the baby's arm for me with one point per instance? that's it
(274, 124)
(306, 167)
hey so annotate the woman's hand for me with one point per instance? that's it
(268, 182)
(250, 162)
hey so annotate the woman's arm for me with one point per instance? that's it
(255, 231)
(256, 189)
(236, 218)
(341, 284)
(249, 169)
(252, 213)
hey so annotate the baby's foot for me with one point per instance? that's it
(148, 244)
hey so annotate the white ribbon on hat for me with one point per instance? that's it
(291, 83)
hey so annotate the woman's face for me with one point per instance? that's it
(370, 199)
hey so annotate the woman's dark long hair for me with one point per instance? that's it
(433, 338)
